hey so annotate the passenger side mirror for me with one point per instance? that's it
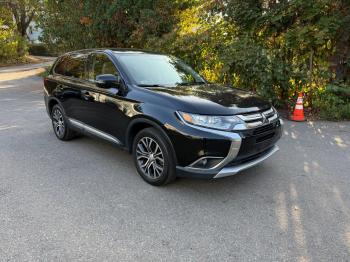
(108, 81)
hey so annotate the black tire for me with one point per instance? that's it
(60, 124)
(141, 155)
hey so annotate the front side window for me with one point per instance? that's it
(100, 64)
(162, 70)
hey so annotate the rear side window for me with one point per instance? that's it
(75, 66)
(72, 66)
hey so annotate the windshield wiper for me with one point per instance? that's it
(190, 83)
(177, 84)
(149, 85)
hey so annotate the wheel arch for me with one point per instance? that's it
(141, 123)
(51, 103)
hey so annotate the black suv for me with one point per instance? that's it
(171, 119)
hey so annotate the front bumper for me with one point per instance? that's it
(248, 148)
(230, 171)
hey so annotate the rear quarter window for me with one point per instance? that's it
(72, 66)
(60, 66)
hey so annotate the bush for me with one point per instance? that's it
(38, 49)
(334, 102)
(46, 72)
(8, 44)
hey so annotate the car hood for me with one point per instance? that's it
(213, 99)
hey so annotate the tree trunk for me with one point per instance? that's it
(22, 19)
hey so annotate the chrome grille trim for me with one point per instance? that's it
(255, 120)
(268, 112)
(254, 124)
(274, 117)
(250, 117)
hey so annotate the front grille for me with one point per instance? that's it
(263, 129)
(260, 138)
(263, 138)
(259, 119)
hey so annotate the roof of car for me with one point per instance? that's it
(116, 51)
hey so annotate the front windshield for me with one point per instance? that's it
(158, 70)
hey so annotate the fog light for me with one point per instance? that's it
(207, 162)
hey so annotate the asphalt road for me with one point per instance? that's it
(83, 200)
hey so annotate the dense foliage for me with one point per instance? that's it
(274, 47)
(15, 18)
(119, 23)
(8, 43)
(8, 38)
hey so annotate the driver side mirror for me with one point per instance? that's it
(108, 81)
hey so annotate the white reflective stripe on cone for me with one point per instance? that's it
(299, 107)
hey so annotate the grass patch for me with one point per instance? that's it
(46, 72)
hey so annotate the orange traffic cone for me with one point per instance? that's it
(298, 114)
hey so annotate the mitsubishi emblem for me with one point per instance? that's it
(264, 119)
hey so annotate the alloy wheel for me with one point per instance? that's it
(150, 157)
(58, 122)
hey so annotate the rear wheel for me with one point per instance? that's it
(153, 158)
(60, 124)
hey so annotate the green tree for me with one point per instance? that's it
(8, 39)
(74, 24)
(23, 11)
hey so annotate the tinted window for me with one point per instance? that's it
(75, 66)
(60, 66)
(72, 66)
(100, 64)
(152, 69)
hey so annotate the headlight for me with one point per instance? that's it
(216, 122)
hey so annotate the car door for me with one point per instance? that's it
(106, 110)
(69, 76)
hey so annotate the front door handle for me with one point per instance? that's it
(86, 95)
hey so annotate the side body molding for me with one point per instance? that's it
(93, 131)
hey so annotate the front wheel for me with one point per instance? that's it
(153, 157)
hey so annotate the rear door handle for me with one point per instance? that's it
(86, 95)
